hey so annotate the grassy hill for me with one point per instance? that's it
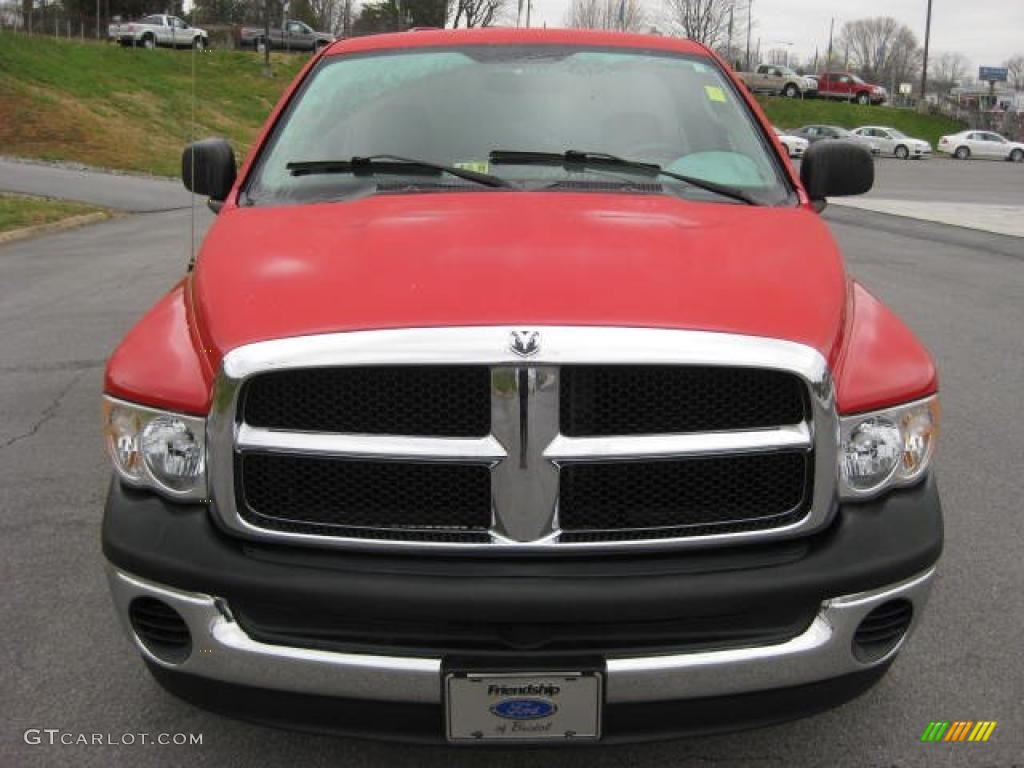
(130, 109)
(793, 113)
(124, 108)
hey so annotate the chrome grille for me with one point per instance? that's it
(541, 474)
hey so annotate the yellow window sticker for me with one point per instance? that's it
(480, 166)
(715, 93)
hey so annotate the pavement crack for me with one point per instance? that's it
(48, 413)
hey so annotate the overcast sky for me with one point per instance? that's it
(986, 31)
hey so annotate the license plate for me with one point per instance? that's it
(516, 706)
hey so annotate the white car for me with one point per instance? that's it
(794, 145)
(967, 144)
(894, 143)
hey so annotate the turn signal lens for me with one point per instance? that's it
(920, 429)
(121, 428)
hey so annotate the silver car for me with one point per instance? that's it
(894, 143)
(816, 133)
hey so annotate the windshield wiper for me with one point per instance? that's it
(580, 159)
(392, 164)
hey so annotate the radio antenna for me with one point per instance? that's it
(192, 155)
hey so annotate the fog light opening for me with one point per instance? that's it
(160, 629)
(882, 630)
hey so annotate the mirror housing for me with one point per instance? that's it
(208, 168)
(836, 169)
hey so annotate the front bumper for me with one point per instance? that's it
(223, 651)
(875, 552)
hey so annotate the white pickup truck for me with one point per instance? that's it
(776, 79)
(158, 29)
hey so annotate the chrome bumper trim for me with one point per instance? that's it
(222, 651)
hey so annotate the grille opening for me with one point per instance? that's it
(652, 499)
(161, 629)
(651, 399)
(882, 629)
(445, 401)
(379, 499)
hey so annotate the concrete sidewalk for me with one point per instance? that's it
(986, 217)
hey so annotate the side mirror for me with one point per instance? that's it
(836, 169)
(208, 168)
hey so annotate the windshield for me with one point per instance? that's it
(456, 106)
(857, 80)
(896, 134)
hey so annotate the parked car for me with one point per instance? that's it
(772, 78)
(891, 141)
(795, 145)
(816, 133)
(451, 438)
(159, 29)
(849, 87)
(296, 36)
(967, 144)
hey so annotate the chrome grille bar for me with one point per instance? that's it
(483, 450)
(592, 449)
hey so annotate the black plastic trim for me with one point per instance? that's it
(869, 545)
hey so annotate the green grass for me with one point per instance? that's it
(131, 109)
(17, 211)
(794, 113)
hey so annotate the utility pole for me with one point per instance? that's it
(924, 63)
(266, 39)
(831, 29)
(750, 5)
(729, 57)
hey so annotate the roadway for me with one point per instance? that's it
(66, 299)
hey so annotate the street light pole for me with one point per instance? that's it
(924, 65)
(750, 5)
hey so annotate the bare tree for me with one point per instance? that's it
(882, 49)
(946, 71)
(706, 21)
(1015, 72)
(476, 13)
(626, 15)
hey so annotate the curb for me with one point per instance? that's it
(53, 227)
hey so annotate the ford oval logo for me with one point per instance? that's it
(524, 709)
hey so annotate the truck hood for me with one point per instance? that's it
(501, 258)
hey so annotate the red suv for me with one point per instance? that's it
(849, 87)
(520, 395)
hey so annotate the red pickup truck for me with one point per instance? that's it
(849, 87)
(519, 394)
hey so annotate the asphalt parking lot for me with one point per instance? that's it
(65, 300)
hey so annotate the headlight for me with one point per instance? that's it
(887, 449)
(156, 449)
